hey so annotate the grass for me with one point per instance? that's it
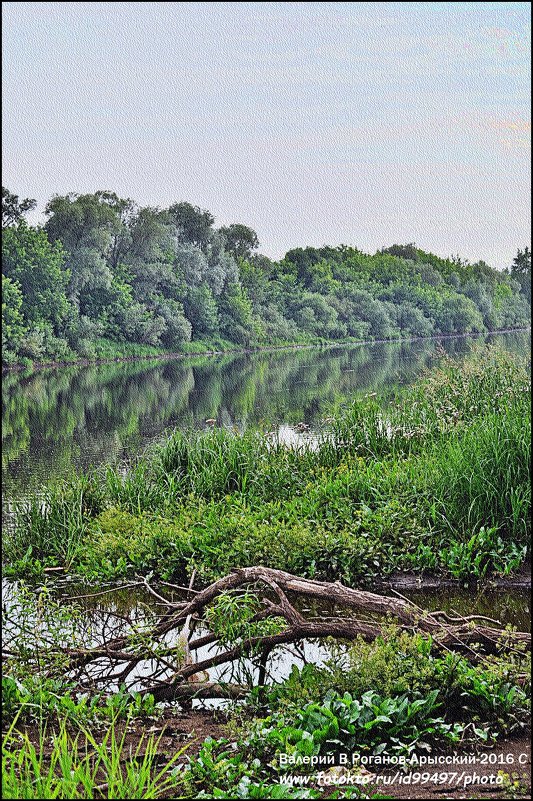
(77, 765)
(395, 696)
(435, 478)
(105, 348)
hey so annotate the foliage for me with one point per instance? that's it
(37, 698)
(223, 770)
(240, 240)
(13, 327)
(449, 701)
(38, 269)
(443, 700)
(232, 619)
(104, 268)
(490, 695)
(521, 272)
(13, 209)
(194, 224)
(370, 722)
(437, 478)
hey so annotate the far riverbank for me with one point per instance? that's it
(205, 350)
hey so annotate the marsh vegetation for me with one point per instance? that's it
(428, 479)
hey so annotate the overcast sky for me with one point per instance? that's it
(357, 123)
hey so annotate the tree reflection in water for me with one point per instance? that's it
(56, 421)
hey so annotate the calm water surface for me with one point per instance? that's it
(110, 609)
(59, 420)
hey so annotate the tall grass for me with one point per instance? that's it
(392, 483)
(482, 475)
(210, 465)
(441, 404)
(79, 766)
(53, 525)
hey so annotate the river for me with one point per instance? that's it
(59, 420)
(56, 421)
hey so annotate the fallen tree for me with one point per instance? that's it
(158, 655)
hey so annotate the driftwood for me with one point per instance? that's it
(208, 689)
(119, 658)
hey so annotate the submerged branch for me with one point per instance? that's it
(186, 679)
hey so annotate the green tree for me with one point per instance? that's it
(103, 267)
(152, 236)
(194, 224)
(38, 269)
(221, 268)
(521, 271)
(201, 310)
(458, 315)
(371, 311)
(13, 328)
(412, 321)
(177, 328)
(409, 251)
(13, 209)
(86, 226)
(240, 240)
(121, 237)
(236, 314)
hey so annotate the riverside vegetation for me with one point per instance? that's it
(57, 421)
(105, 279)
(434, 477)
(401, 699)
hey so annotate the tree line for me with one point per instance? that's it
(103, 274)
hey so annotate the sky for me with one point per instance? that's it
(363, 124)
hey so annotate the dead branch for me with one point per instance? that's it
(123, 654)
(201, 690)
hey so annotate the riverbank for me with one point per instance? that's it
(206, 349)
(208, 762)
(427, 484)
(398, 700)
(435, 480)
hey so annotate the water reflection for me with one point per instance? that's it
(109, 612)
(55, 421)
(507, 606)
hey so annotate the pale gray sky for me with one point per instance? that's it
(314, 123)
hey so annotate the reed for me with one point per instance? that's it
(79, 765)
(391, 483)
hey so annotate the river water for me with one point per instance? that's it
(59, 420)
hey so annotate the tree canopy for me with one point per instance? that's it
(103, 273)
(13, 209)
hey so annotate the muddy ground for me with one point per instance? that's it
(455, 781)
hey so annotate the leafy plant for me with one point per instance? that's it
(80, 766)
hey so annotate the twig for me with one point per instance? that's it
(104, 592)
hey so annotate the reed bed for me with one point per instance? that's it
(435, 477)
